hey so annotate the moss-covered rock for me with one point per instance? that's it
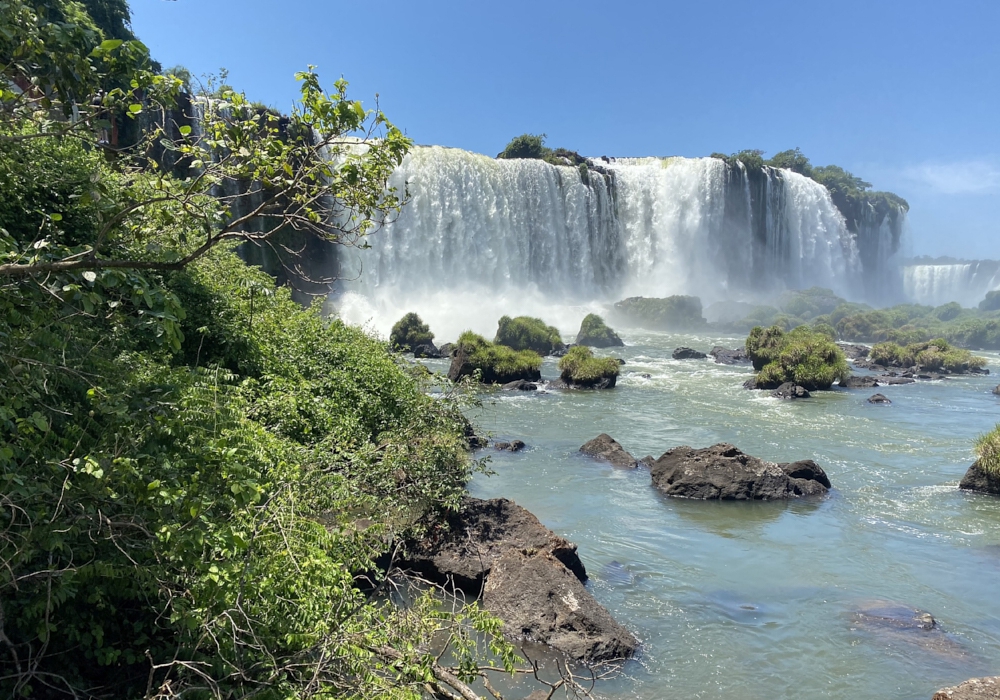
(409, 333)
(527, 333)
(596, 334)
(496, 364)
(580, 368)
(807, 358)
(932, 356)
(671, 313)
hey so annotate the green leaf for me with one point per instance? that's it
(185, 130)
(111, 44)
(135, 108)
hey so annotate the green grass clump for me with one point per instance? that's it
(935, 356)
(527, 333)
(987, 449)
(409, 333)
(580, 367)
(497, 364)
(595, 333)
(808, 358)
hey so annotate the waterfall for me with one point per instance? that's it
(482, 237)
(964, 282)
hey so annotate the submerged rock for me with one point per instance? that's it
(512, 446)
(888, 380)
(723, 472)
(996, 391)
(607, 449)
(902, 625)
(540, 600)
(879, 398)
(789, 390)
(973, 689)
(684, 353)
(520, 385)
(724, 356)
(855, 382)
(978, 479)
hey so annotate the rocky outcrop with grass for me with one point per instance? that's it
(984, 475)
(595, 333)
(474, 356)
(579, 368)
(527, 333)
(801, 356)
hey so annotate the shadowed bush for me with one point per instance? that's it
(409, 333)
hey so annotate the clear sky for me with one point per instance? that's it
(903, 94)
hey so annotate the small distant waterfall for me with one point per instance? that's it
(966, 283)
(503, 235)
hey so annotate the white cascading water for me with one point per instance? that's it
(966, 283)
(482, 237)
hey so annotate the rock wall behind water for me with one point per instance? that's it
(508, 231)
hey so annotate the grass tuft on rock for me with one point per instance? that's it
(934, 356)
(409, 333)
(987, 449)
(803, 356)
(580, 367)
(595, 333)
(527, 333)
(496, 363)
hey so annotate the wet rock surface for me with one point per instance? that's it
(723, 472)
(724, 356)
(520, 385)
(789, 390)
(607, 449)
(853, 351)
(512, 446)
(903, 626)
(684, 353)
(987, 688)
(978, 479)
(879, 399)
(856, 382)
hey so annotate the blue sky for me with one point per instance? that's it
(904, 94)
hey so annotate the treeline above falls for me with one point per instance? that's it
(621, 227)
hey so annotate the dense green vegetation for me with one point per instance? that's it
(596, 333)
(671, 313)
(991, 302)
(802, 356)
(193, 468)
(987, 449)
(410, 332)
(934, 356)
(494, 363)
(579, 367)
(532, 146)
(527, 333)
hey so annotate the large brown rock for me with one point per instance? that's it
(607, 449)
(461, 552)
(540, 600)
(723, 472)
(978, 479)
(974, 689)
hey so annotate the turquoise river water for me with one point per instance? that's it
(757, 600)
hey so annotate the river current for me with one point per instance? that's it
(759, 600)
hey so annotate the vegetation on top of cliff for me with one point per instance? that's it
(532, 146)
(495, 363)
(677, 312)
(935, 356)
(987, 448)
(580, 367)
(802, 356)
(410, 332)
(991, 302)
(527, 333)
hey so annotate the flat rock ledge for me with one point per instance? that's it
(723, 472)
(607, 449)
(978, 479)
(526, 575)
(974, 689)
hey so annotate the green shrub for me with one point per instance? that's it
(525, 146)
(807, 304)
(595, 333)
(826, 329)
(580, 367)
(803, 356)
(671, 313)
(991, 302)
(409, 333)
(496, 364)
(527, 333)
(987, 449)
(948, 311)
(934, 356)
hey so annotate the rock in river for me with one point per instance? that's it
(724, 472)
(607, 449)
(789, 390)
(879, 398)
(978, 479)
(688, 354)
(863, 382)
(974, 689)
(724, 356)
